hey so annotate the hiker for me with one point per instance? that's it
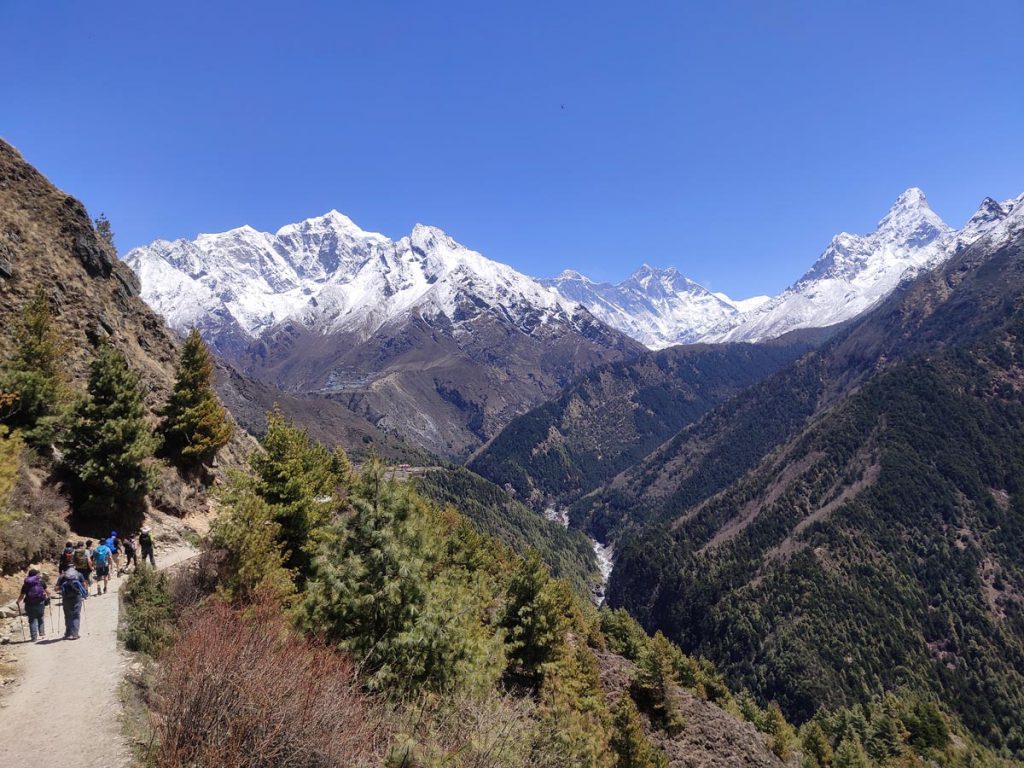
(146, 545)
(115, 552)
(82, 560)
(36, 598)
(101, 557)
(129, 553)
(73, 591)
(65, 559)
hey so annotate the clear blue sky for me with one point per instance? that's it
(728, 139)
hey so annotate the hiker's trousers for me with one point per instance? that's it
(35, 614)
(72, 617)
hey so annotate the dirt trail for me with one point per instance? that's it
(65, 708)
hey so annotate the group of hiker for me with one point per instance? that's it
(80, 566)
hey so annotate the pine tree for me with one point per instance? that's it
(108, 442)
(105, 231)
(195, 425)
(381, 590)
(303, 483)
(575, 725)
(655, 681)
(886, 734)
(850, 753)
(631, 746)
(537, 616)
(32, 380)
(246, 530)
(815, 743)
(781, 733)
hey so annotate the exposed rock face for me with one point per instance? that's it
(429, 340)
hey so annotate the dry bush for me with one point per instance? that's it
(196, 579)
(241, 690)
(35, 528)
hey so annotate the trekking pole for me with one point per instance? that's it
(21, 623)
(49, 604)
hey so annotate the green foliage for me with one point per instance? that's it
(383, 589)
(574, 723)
(147, 623)
(653, 687)
(617, 413)
(105, 230)
(567, 552)
(248, 532)
(851, 754)
(912, 581)
(624, 634)
(304, 484)
(33, 377)
(108, 442)
(815, 744)
(632, 749)
(781, 736)
(538, 613)
(195, 425)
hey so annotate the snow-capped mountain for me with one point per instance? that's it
(657, 307)
(423, 336)
(332, 277)
(852, 274)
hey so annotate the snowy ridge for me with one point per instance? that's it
(332, 276)
(657, 307)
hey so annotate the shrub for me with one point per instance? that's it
(147, 625)
(242, 690)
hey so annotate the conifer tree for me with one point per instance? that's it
(108, 442)
(32, 379)
(815, 744)
(537, 615)
(246, 530)
(105, 231)
(781, 733)
(654, 684)
(850, 753)
(380, 589)
(575, 725)
(195, 425)
(632, 749)
(303, 483)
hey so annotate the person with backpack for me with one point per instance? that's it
(82, 560)
(36, 597)
(146, 545)
(73, 593)
(129, 553)
(115, 552)
(65, 559)
(101, 557)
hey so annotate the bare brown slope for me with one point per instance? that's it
(47, 242)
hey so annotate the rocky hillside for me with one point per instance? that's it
(614, 415)
(853, 524)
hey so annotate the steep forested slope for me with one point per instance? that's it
(614, 415)
(855, 524)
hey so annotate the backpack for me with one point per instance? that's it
(129, 546)
(101, 554)
(80, 559)
(145, 541)
(66, 559)
(72, 587)
(36, 590)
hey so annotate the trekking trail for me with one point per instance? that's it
(65, 708)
